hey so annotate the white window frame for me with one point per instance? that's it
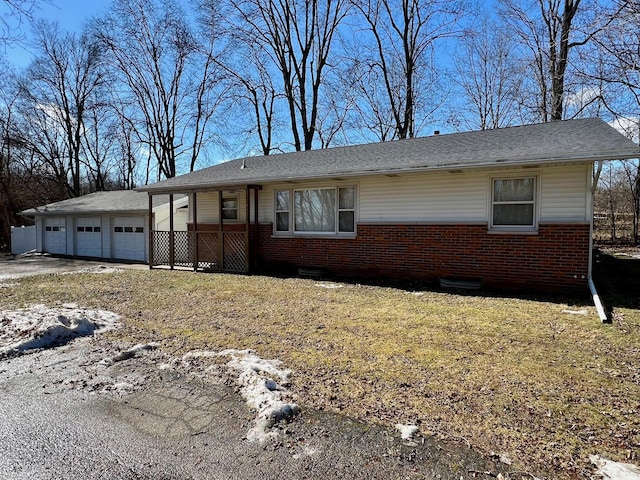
(288, 211)
(291, 212)
(535, 202)
(237, 208)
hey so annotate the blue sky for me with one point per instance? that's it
(70, 14)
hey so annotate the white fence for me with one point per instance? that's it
(23, 239)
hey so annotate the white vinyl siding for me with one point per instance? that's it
(208, 206)
(106, 236)
(443, 197)
(436, 197)
(563, 194)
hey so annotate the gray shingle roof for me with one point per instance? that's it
(558, 142)
(120, 201)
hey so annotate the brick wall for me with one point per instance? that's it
(556, 258)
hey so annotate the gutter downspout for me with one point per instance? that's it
(592, 288)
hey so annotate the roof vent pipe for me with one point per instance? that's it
(243, 165)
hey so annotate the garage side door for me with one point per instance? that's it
(55, 235)
(88, 237)
(128, 238)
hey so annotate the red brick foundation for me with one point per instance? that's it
(556, 258)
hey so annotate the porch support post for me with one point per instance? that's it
(195, 232)
(172, 243)
(150, 228)
(220, 233)
(256, 245)
(247, 252)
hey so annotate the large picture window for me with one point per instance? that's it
(514, 203)
(315, 210)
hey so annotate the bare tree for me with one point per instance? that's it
(168, 86)
(549, 31)
(618, 54)
(398, 63)
(489, 78)
(297, 37)
(12, 15)
(62, 82)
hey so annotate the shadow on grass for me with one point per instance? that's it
(576, 298)
(617, 278)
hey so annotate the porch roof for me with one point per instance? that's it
(583, 140)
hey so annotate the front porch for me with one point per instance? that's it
(224, 239)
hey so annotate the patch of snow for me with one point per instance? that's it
(120, 388)
(575, 312)
(197, 355)
(39, 326)
(417, 294)
(306, 452)
(329, 285)
(270, 400)
(406, 431)
(130, 353)
(8, 285)
(94, 269)
(610, 470)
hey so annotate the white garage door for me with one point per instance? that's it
(88, 237)
(128, 238)
(55, 235)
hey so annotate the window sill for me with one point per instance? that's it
(512, 231)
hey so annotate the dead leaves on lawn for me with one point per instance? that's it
(514, 376)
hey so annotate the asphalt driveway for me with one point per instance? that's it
(65, 412)
(12, 267)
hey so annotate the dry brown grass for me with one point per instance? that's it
(508, 375)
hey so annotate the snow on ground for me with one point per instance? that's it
(575, 312)
(610, 470)
(329, 285)
(406, 431)
(261, 383)
(272, 402)
(39, 326)
(95, 269)
(132, 352)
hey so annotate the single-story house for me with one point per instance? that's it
(110, 225)
(511, 207)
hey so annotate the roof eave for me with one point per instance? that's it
(52, 213)
(499, 163)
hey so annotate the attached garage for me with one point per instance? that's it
(55, 235)
(111, 225)
(88, 234)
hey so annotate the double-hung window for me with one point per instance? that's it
(513, 203)
(315, 210)
(230, 208)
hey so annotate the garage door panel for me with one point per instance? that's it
(129, 238)
(55, 235)
(88, 237)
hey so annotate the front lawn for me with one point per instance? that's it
(543, 382)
